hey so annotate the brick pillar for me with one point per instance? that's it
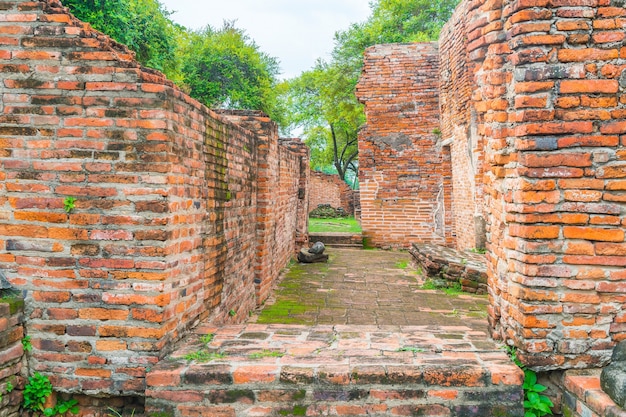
(550, 99)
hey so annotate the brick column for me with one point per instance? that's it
(551, 102)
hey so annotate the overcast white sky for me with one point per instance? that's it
(297, 32)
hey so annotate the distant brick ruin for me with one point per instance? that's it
(332, 190)
(510, 132)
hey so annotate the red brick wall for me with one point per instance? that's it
(533, 112)
(404, 183)
(330, 189)
(12, 359)
(549, 101)
(169, 201)
(458, 131)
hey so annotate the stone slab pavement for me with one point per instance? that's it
(360, 324)
(368, 287)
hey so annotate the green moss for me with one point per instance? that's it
(162, 414)
(367, 243)
(299, 395)
(454, 290)
(265, 353)
(15, 303)
(297, 410)
(402, 264)
(566, 411)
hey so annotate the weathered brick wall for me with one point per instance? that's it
(458, 131)
(11, 356)
(404, 183)
(281, 214)
(549, 102)
(170, 196)
(303, 153)
(330, 189)
(533, 112)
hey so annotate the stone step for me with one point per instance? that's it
(338, 239)
(285, 370)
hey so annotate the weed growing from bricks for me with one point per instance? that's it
(27, 344)
(203, 354)
(535, 404)
(410, 349)
(69, 203)
(266, 354)
(37, 391)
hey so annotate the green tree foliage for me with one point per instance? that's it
(220, 68)
(224, 68)
(143, 25)
(322, 100)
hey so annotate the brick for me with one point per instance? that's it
(589, 86)
(593, 233)
(588, 54)
(535, 232)
(102, 314)
(252, 374)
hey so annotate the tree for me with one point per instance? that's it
(220, 68)
(142, 25)
(322, 100)
(224, 68)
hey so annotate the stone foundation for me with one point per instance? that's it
(453, 267)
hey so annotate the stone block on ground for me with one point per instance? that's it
(307, 257)
(613, 377)
(447, 264)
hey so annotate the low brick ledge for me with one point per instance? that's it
(338, 370)
(338, 239)
(467, 268)
(583, 396)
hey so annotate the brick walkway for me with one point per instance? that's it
(357, 336)
(364, 287)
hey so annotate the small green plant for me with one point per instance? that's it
(10, 387)
(207, 338)
(482, 251)
(204, 356)
(410, 349)
(232, 313)
(36, 391)
(69, 204)
(265, 353)
(27, 344)
(437, 131)
(429, 284)
(62, 408)
(455, 289)
(535, 404)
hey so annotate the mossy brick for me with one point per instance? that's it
(229, 396)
